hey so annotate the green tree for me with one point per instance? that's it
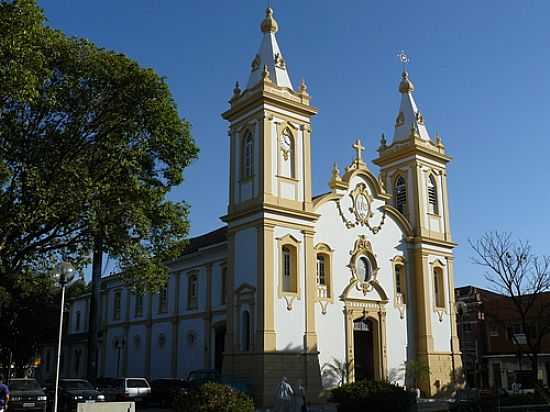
(90, 145)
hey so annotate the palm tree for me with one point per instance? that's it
(338, 371)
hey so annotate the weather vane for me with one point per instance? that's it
(404, 59)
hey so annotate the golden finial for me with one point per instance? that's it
(415, 133)
(335, 176)
(383, 143)
(406, 86)
(237, 89)
(269, 24)
(438, 140)
(303, 87)
(265, 74)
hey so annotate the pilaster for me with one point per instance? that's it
(310, 291)
(266, 335)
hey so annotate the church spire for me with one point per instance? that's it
(269, 56)
(409, 118)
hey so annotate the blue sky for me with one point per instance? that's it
(479, 67)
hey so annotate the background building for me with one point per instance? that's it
(494, 354)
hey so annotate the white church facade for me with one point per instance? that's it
(362, 274)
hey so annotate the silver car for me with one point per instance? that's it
(125, 389)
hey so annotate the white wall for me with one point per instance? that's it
(190, 355)
(137, 344)
(386, 244)
(161, 354)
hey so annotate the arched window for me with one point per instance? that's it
(245, 329)
(324, 268)
(192, 291)
(289, 270)
(439, 287)
(288, 154)
(223, 285)
(163, 300)
(117, 305)
(138, 307)
(400, 281)
(433, 206)
(248, 156)
(321, 269)
(77, 321)
(400, 194)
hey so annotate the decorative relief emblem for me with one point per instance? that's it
(364, 268)
(361, 209)
(361, 203)
(255, 63)
(400, 121)
(279, 61)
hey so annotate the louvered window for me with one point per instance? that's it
(400, 194)
(248, 164)
(433, 206)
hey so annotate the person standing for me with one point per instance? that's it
(283, 397)
(4, 395)
(300, 404)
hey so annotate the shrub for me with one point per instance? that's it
(372, 396)
(213, 397)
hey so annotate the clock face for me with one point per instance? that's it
(286, 142)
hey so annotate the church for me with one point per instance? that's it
(360, 276)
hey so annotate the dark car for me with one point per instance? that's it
(74, 391)
(164, 391)
(200, 376)
(26, 395)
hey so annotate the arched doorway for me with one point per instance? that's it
(363, 349)
(219, 346)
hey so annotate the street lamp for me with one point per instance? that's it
(119, 345)
(64, 274)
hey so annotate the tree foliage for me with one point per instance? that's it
(90, 145)
(89, 148)
(515, 271)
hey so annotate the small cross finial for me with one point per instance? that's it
(358, 148)
(404, 59)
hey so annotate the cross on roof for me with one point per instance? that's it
(358, 148)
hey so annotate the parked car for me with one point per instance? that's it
(164, 391)
(27, 395)
(200, 376)
(125, 389)
(72, 392)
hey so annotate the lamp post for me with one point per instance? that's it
(64, 274)
(119, 345)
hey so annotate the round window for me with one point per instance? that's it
(363, 269)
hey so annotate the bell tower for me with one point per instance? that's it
(270, 219)
(270, 134)
(414, 170)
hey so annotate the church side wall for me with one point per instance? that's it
(136, 350)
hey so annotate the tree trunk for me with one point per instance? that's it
(535, 367)
(93, 318)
